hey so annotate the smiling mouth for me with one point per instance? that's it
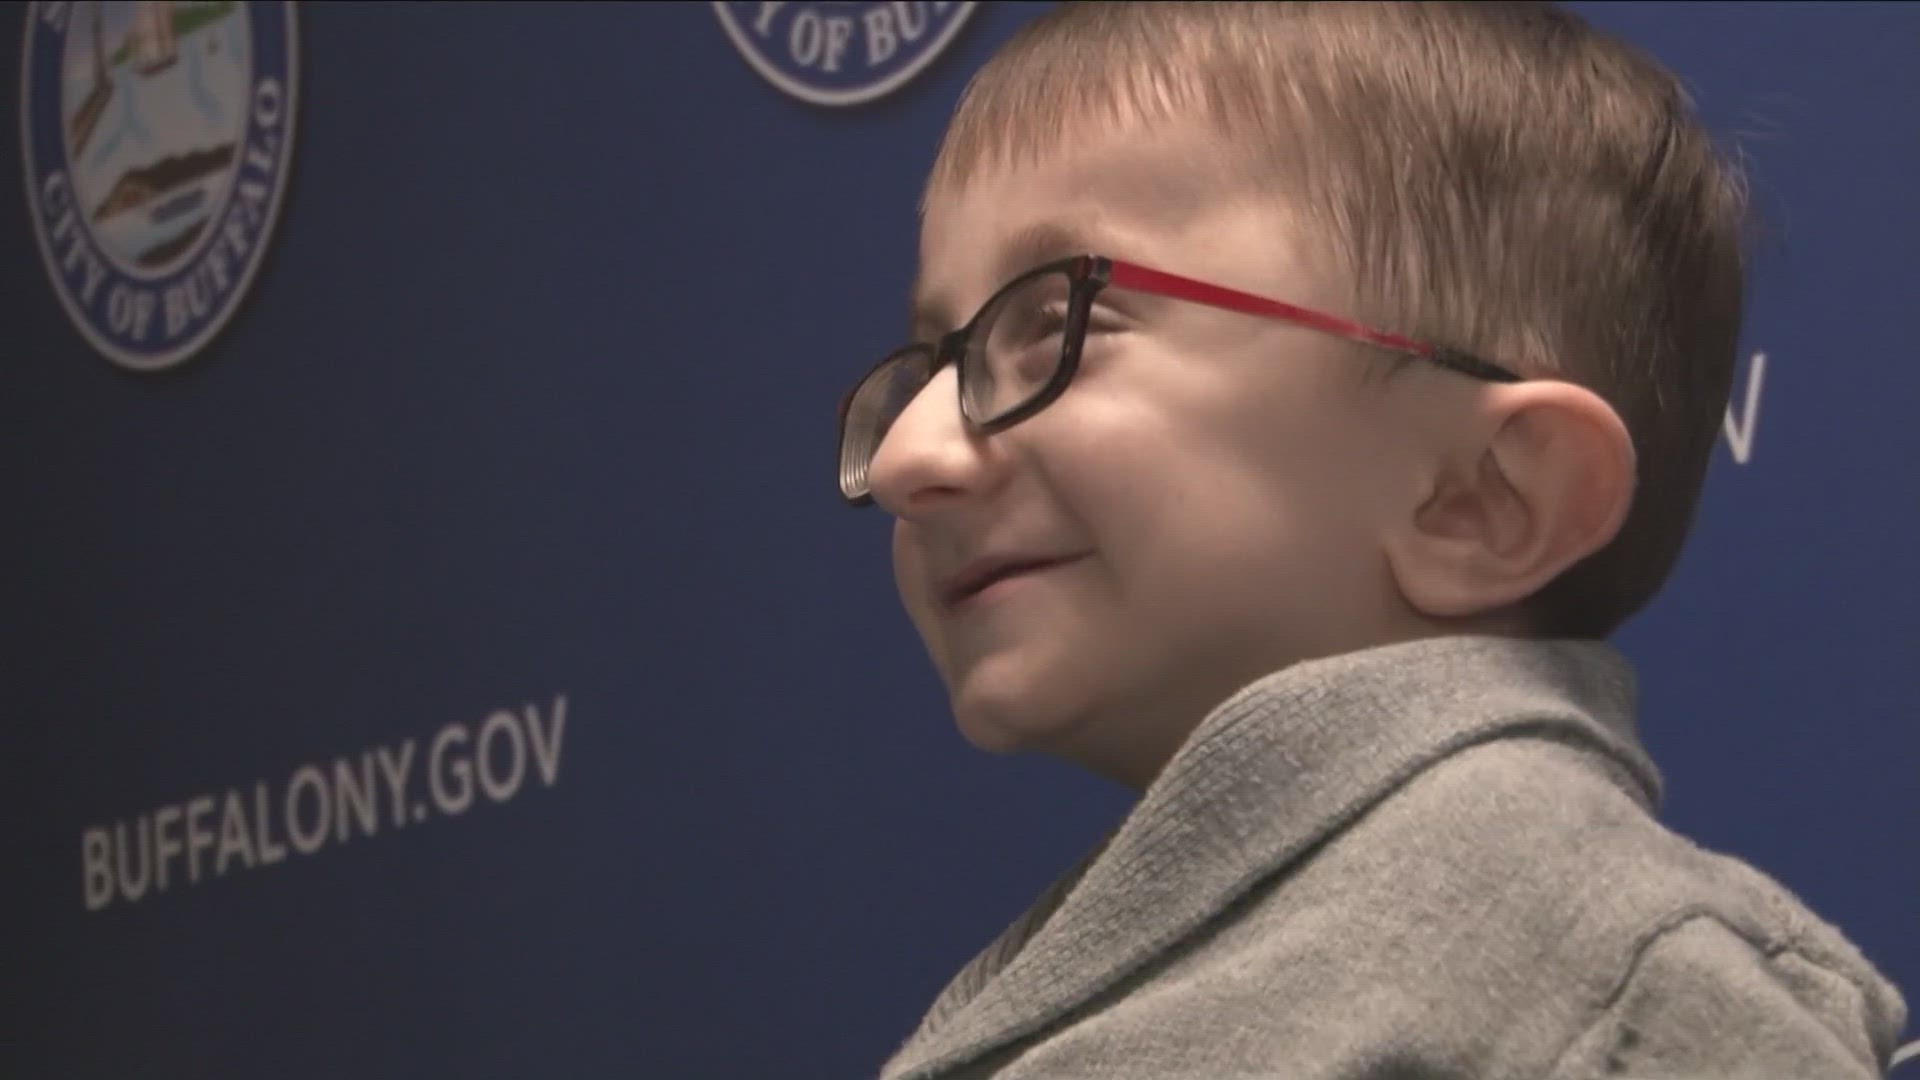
(1008, 573)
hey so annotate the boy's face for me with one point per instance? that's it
(1222, 482)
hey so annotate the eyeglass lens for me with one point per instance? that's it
(1016, 347)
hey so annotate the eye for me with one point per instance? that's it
(1048, 320)
(1028, 328)
(1104, 321)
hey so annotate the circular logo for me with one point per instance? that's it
(156, 140)
(841, 53)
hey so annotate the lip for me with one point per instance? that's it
(983, 574)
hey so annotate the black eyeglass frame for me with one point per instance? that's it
(1087, 276)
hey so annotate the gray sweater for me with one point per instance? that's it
(1432, 859)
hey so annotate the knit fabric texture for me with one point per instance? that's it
(1438, 858)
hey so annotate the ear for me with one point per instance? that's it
(1539, 479)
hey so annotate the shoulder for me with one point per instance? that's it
(1510, 906)
(1549, 823)
(1702, 999)
(1633, 935)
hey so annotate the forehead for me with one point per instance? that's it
(1126, 193)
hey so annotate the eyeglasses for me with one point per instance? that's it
(1021, 349)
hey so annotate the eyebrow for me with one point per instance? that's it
(1037, 243)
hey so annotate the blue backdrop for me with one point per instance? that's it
(472, 637)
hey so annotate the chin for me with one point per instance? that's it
(1018, 715)
(995, 730)
(987, 737)
(1004, 717)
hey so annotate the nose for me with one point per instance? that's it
(929, 460)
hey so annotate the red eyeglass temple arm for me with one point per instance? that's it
(1130, 276)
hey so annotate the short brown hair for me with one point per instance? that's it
(1498, 177)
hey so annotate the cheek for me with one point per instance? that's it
(1215, 497)
(910, 578)
(909, 570)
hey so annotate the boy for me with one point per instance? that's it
(1331, 381)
